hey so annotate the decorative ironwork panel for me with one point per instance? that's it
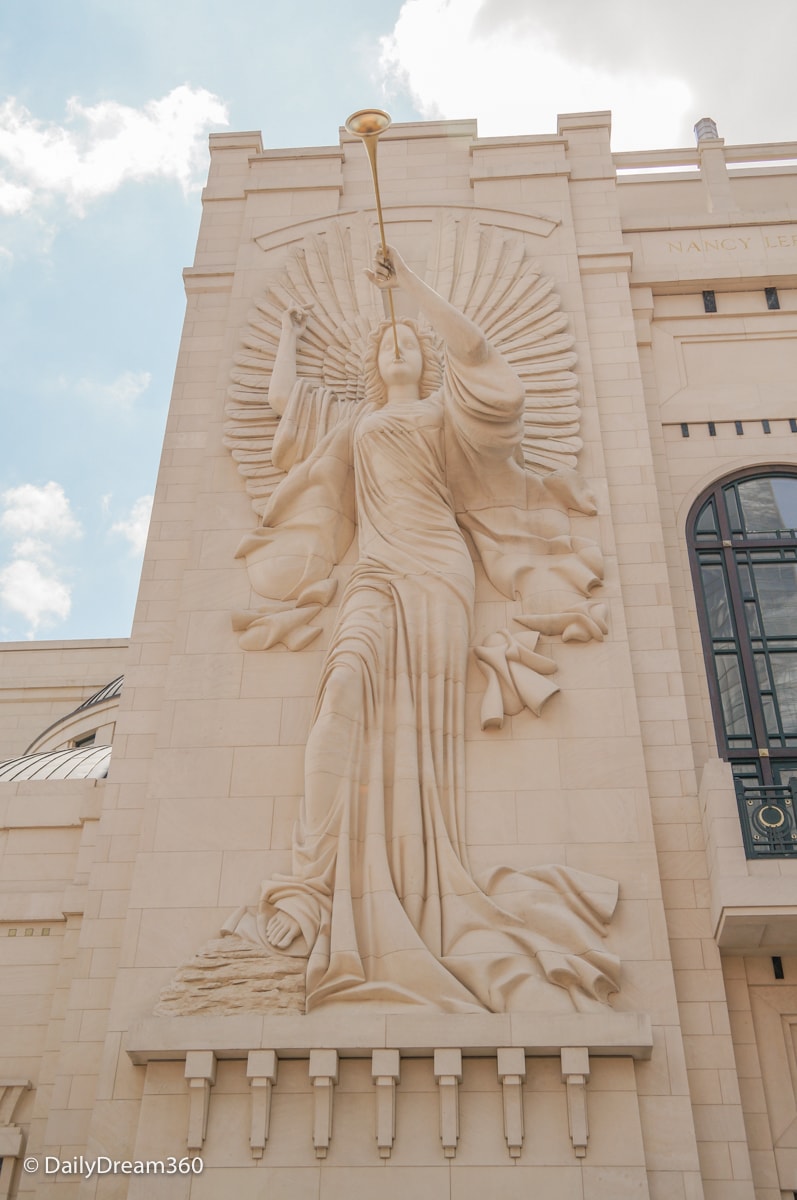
(769, 829)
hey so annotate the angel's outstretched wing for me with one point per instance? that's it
(325, 273)
(487, 274)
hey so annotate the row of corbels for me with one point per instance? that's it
(261, 1070)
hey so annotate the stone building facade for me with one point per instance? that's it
(132, 1032)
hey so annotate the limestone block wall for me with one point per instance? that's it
(618, 777)
(47, 844)
(220, 792)
(762, 1010)
(720, 396)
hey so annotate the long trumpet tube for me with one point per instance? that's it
(367, 124)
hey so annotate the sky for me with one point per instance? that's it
(105, 111)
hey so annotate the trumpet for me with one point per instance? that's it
(367, 124)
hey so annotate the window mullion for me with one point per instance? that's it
(743, 641)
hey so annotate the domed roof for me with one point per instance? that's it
(108, 692)
(90, 762)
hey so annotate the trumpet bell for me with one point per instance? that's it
(368, 122)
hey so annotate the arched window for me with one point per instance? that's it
(743, 548)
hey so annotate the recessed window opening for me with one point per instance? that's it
(709, 302)
(743, 547)
(86, 739)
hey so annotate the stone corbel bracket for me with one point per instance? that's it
(261, 1070)
(512, 1075)
(385, 1072)
(448, 1074)
(11, 1136)
(200, 1071)
(324, 1074)
(510, 1038)
(575, 1073)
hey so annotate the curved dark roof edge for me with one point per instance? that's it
(109, 691)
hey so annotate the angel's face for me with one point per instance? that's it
(409, 367)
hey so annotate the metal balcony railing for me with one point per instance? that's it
(767, 815)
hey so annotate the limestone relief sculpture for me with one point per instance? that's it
(469, 423)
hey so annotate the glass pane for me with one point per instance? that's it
(745, 578)
(731, 695)
(762, 672)
(785, 493)
(751, 613)
(784, 772)
(777, 594)
(768, 504)
(770, 718)
(784, 670)
(717, 606)
(734, 516)
(706, 523)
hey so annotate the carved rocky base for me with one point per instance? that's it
(230, 975)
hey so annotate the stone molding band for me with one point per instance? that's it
(540, 1035)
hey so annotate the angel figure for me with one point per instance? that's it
(381, 896)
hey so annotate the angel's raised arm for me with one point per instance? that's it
(464, 339)
(283, 377)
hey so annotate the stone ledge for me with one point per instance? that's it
(17, 908)
(759, 928)
(204, 279)
(605, 260)
(540, 1035)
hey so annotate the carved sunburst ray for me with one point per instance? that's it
(485, 271)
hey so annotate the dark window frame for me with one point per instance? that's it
(761, 760)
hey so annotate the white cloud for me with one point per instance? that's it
(515, 78)
(46, 511)
(120, 393)
(135, 525)
(39, 519)
(515, 64)
(38, 596)
(35, 549)
(102, 146)
(13, 198)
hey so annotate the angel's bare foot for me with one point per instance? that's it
(281, 930)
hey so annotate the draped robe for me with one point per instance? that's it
(380, 884)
